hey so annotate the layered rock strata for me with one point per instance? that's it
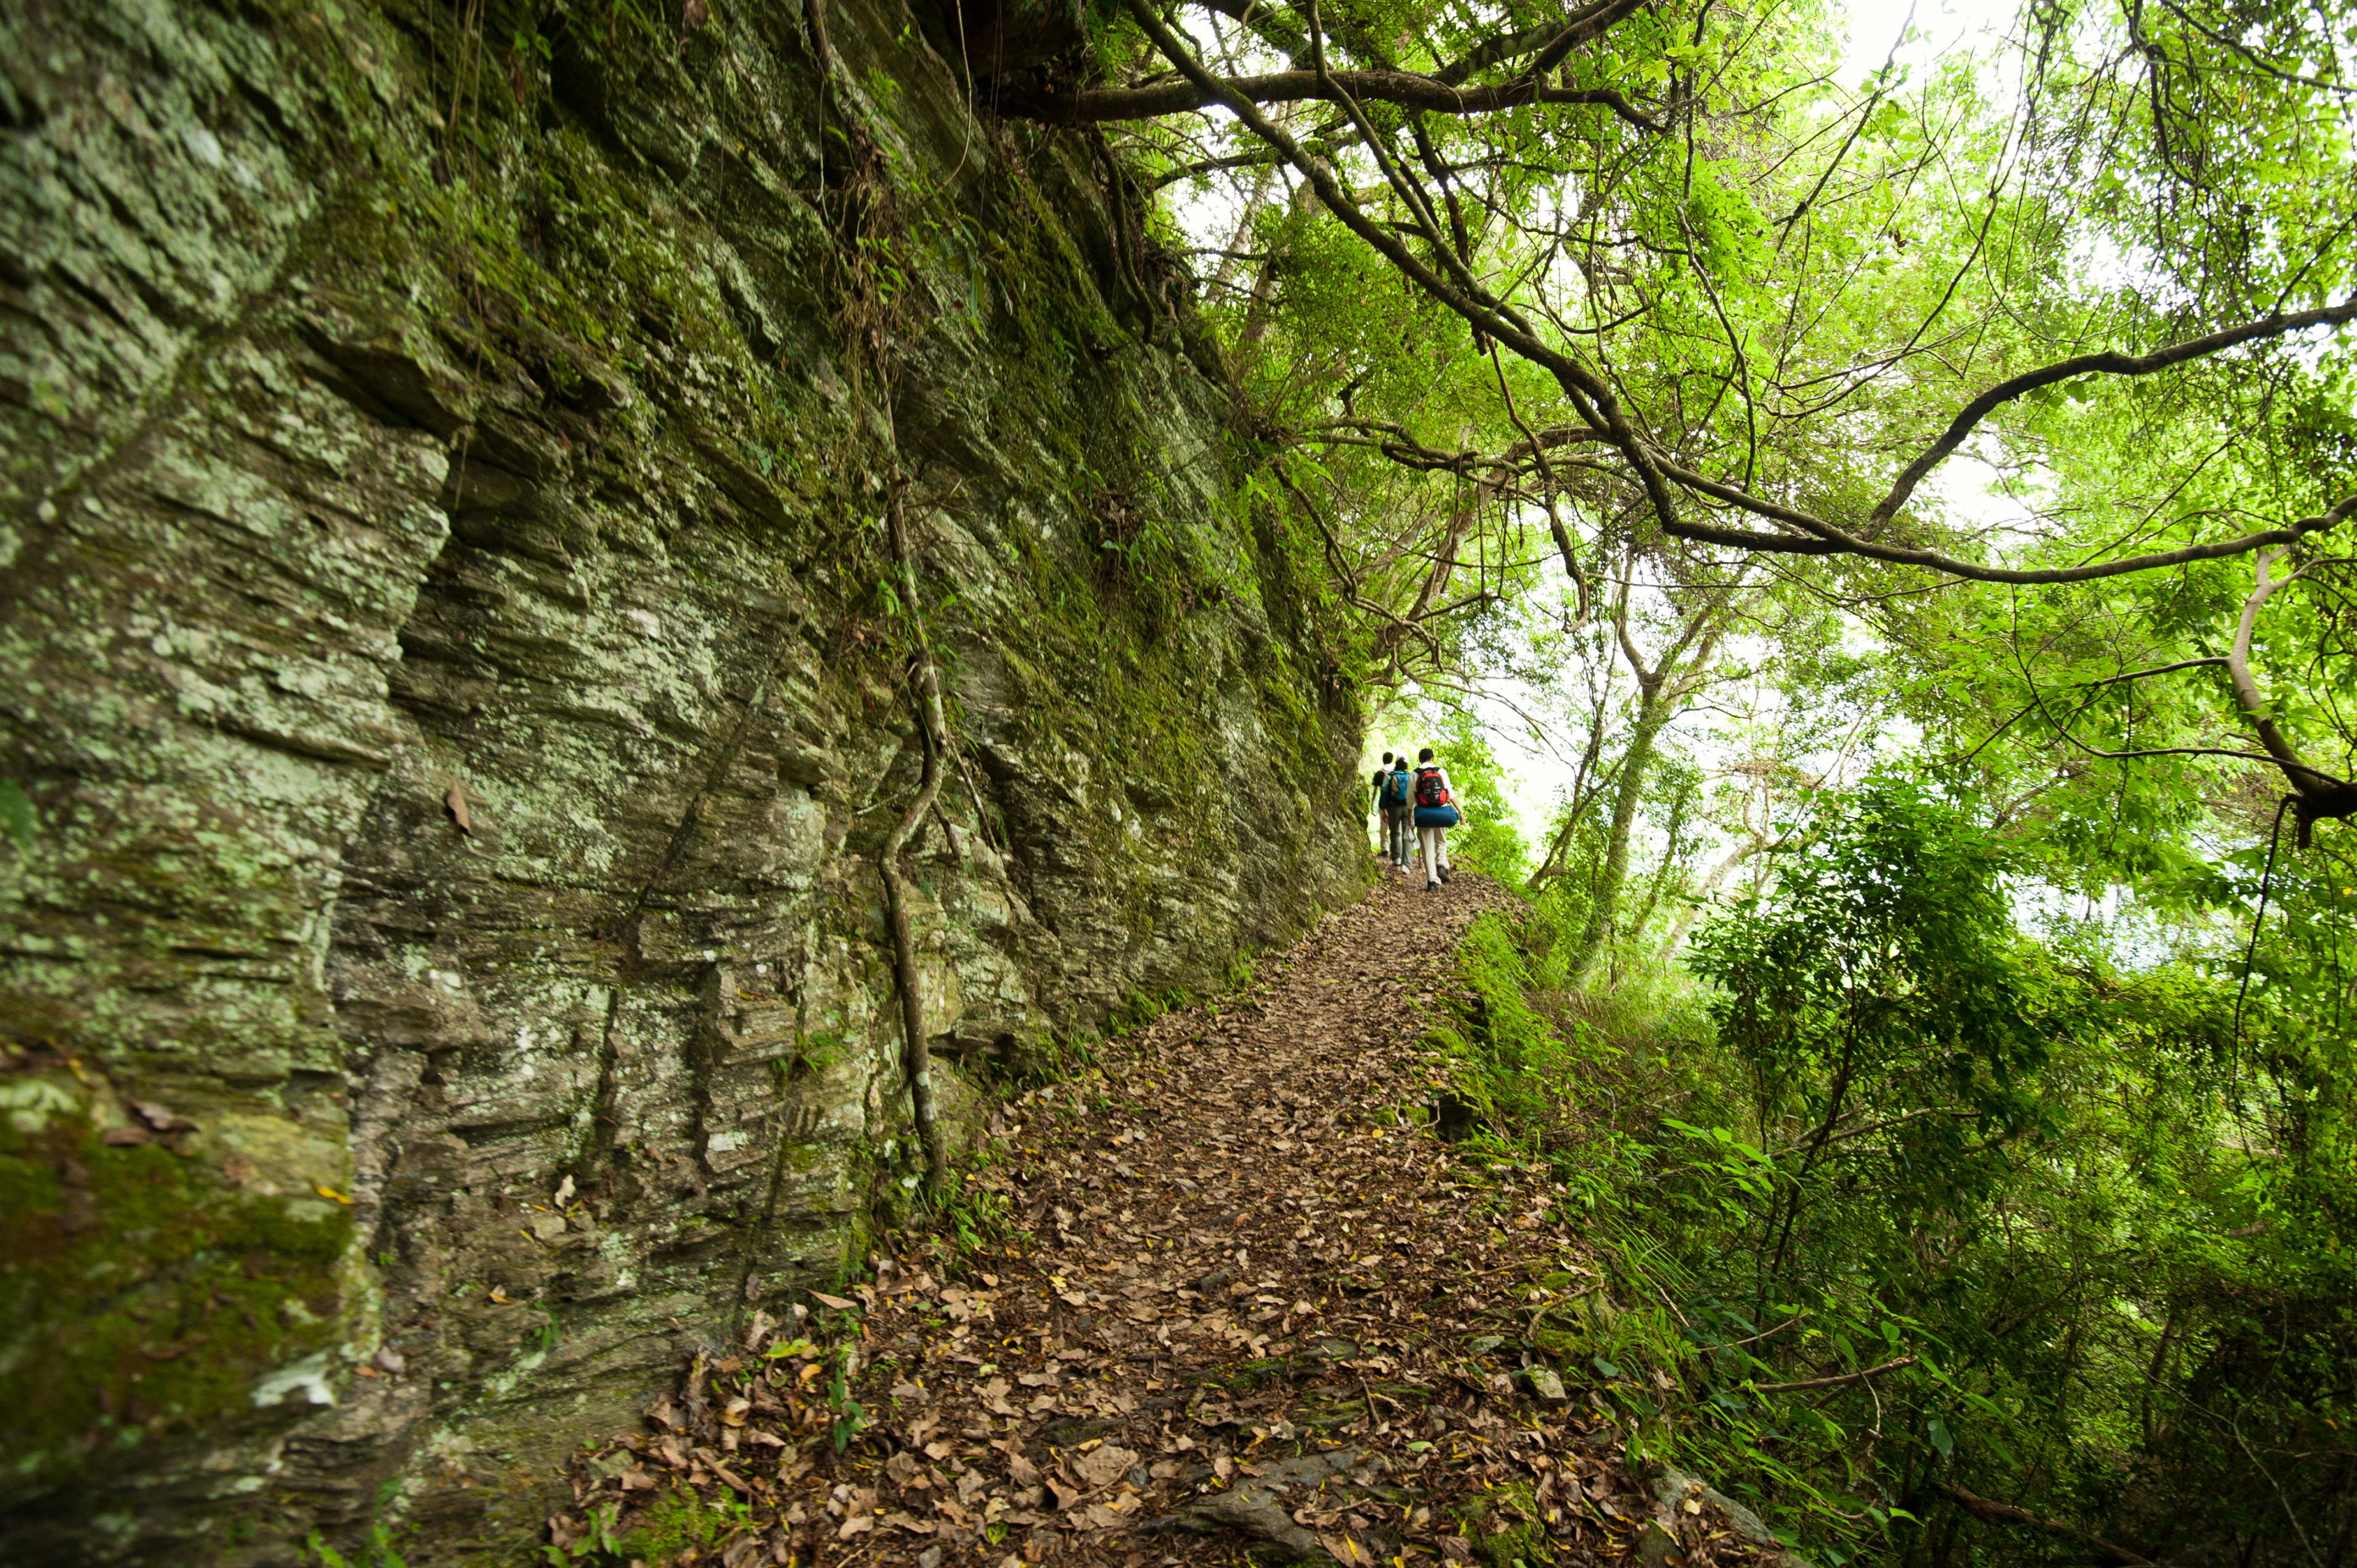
(454, 687)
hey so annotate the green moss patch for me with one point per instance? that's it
(143, 1292)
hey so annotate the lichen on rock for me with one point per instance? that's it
(454, 698)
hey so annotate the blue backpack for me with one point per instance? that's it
(1396, 790)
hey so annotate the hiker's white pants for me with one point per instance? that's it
(1434, 841)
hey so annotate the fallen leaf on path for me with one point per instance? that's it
(1335, 1344)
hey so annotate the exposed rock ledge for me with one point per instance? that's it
(450, 706)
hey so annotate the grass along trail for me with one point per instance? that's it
(1223, 1292)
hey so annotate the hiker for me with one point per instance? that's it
(1436, 814)
(1383, 817)
(1395, 796)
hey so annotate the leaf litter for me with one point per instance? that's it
(1239, 1301)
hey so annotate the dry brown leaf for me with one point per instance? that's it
(1101, 1466)
(1206, 1226)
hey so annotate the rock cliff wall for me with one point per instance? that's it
(455, 688)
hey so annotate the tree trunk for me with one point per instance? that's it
(1651, 713)
(1669, 865)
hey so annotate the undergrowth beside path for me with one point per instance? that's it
(1230, 1291)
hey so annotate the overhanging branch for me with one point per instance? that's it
(1856, 1376)
(1828, 539)
(2108, 362)
(1090, 105)
(1591, 396)
(1990, 1511)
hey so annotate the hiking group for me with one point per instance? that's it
(1417, 795)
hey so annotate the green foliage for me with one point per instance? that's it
(16, 814)
(2092, 1181)
(2063, 1246)
(1502, 1524)
(1487, 840)
(597, 1542)
(1543, 1079)
(376, 1551)
(1882, 980)
(975, 1210)
(850, 1415)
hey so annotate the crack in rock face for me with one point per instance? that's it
(450, 725)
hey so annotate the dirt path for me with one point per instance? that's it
(1222, 1294)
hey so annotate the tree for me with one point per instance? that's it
(1762, 317)
(1631, 315)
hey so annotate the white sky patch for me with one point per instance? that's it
(1923, 34)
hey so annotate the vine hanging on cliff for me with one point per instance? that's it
(868, 232)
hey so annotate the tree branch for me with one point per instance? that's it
(1588, 24)
(1214, 165)
(1591, 396)
(1829, 540)
(2247, 695)
(1835, 1381)
(1090, 104)
(1272, 27)
(2156, 670)
(1990, 1511)
(1537, 443)
(2108, 362)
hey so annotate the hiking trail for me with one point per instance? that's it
(1238, 1295)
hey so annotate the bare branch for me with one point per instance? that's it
(1089, 104)
(2246, 689)
(2108, 362)
(1214, 165)
(1825, 1137)
(1990, 1511)
(2156, 670)
(1834, 1383)
(1500, 49)
(1274, 27)
(1588, 24)
(1537, 443)
(1831, 541)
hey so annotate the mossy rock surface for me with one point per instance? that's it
(457, 698)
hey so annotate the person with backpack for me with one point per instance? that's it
(1382, 818)
(1395, 796)
(1436, 813)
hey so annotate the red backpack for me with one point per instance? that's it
(1429, 790)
